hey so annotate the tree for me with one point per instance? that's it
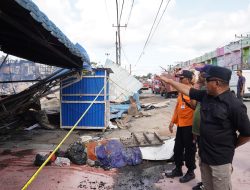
(149, 75)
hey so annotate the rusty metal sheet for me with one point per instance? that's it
(142, 139)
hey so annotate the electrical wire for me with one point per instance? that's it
(121, 12)
(126, 28)
(160, 19)
(117, 20)
(144, 47)
(107, 10)
(123, 51)
(120, 86)
(132, 5)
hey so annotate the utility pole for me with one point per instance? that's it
(116, 47)
(118, 37)
(118, 44)
(241, 49)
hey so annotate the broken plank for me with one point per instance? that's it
(136, 139)
(158, 138)
(147, 139)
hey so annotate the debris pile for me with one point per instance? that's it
(104, 153)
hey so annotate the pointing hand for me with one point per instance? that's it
(163, 78)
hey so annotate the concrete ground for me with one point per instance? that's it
(19, 148)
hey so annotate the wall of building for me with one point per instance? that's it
(233, 56)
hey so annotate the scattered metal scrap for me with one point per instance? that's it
(142, 139)
(150, 106)
(12, 107)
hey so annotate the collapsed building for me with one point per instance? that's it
(27, 33)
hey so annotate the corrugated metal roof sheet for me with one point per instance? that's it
(26, 32)
(50, 26)
(122, 84)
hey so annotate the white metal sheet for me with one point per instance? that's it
(162, 152)
(122, 84)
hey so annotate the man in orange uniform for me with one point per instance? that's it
(184, 144)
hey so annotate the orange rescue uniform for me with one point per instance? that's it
(183, 115)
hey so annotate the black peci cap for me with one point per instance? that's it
(185, 74)
(219, 72)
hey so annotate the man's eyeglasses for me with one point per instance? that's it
(210, 80)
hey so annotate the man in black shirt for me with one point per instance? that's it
(222, 116)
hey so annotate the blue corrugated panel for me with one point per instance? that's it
(100, 72)
(85, 86)
(71, 112)
(76, 98)
(107, 90)
(82, 98)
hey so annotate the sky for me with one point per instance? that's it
(188, 29)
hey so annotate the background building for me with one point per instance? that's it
(235, 55)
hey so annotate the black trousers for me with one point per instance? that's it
(184, 148)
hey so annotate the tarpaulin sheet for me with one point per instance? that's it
(113, 154)
(116, 110)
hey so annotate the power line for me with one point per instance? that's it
(125, 55)
(160, 19)
(126, 28)
(149, 34)
(107, 10)
(132, 5)
(117, 8)
(121, 12)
